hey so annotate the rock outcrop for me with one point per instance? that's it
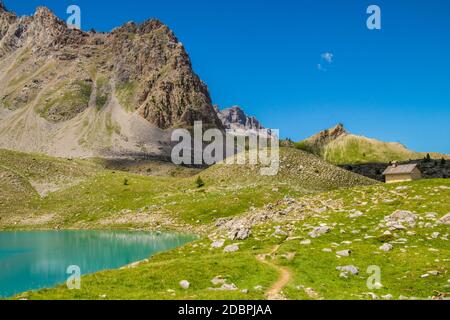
(118, 92)
(235, 118)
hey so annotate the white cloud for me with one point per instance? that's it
(321, 68)
(328, 57)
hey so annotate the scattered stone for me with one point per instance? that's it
(218, 244)
(293, 238)
(445, 219)
(372, 295)
(424, 276)
(434, 273)
(386, 247)
(279, 232)
(388, 297)
(231, 248)
(318, 231)
(356, 214)
(378, 285)
(327, 250)
(289, 256)
(348, 270)
(245, 291)
(239, 234)
(218, 280)
(258, 288)
(344, 253)
(435, 235)
(306, 242)
(184, 284)
(431, 215)
(312, 293)
(399, 219)
(228, 287)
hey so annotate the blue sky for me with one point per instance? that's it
(392, 84)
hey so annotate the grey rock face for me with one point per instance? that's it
(235, 118)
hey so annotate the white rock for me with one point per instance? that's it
(305, 242)
(218, 280)
(344, 253)
(435, 235)
(327, 250)
(388, 297)
(372, 295)
(229, 287)
(356, 214)
(318, 231)
(445, 219)
(184, 284)
(218, 244)
(348, 269)
(231, 248)
(386, 247)
(377, 285)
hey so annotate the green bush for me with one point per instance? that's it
(199, 182)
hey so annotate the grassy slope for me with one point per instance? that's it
(117, 199)
(310, 268)
(353, 149)
(101, 195)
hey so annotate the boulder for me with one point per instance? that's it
(344, 253)
(445, 219)
(318, 231)
(231, 248)
(386, 247)
(218, 244)
(348, 270)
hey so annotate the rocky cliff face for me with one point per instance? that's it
(325, 137)
(235, 118)
(100, 93)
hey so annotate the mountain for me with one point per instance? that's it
(336, 145)
(66, 92)
(234, 118)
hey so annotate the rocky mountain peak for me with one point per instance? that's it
(2, 7)
(140, 71)
(324, 137)
(235, 118)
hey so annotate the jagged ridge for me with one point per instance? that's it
(93, 90)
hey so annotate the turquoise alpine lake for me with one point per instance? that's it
(42, 259)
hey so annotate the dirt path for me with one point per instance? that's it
(275, 292)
